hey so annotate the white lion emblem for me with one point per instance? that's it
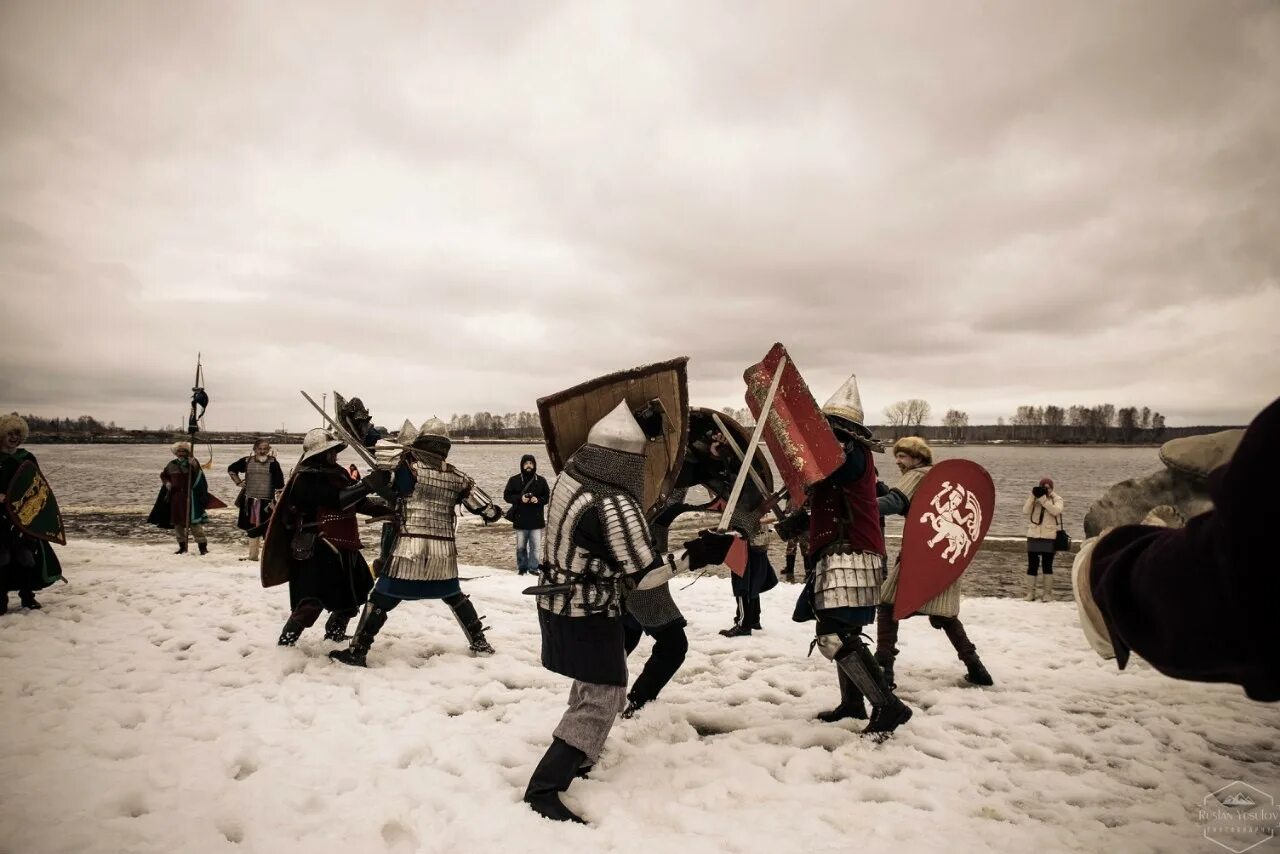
(960, 531)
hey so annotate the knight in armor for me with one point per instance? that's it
(846, 552)
(421, 560)
(260, 478)
(27, 563)
(915, 460)
(184, 499)
(597, 544)
(327, 571)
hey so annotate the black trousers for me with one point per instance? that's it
(670, 645)
(1037, 560)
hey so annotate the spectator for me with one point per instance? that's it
(1043, 509)
(527, 492)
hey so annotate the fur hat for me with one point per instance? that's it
(14, 421)
(916, 447)
(180, 445)
(1046, 481)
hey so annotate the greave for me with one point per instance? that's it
(857, 662)
(886, 636)
(465, 613)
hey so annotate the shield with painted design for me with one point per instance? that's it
(949, 517)
(657, 393)
(31, 506)
(801, 442)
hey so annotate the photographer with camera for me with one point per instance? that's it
(527, 492)
(1043, 509)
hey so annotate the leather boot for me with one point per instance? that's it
(887, 711)
(977, 672)
(472, 624)
(371, 622)
(204, 548)
(29, 600)
(851, 702)
(558, 768)
(182, 549)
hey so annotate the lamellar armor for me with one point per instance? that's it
(426, 548)
(596, 502)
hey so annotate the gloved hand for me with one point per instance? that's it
(793, 525)
(709, 549)
(378, 481)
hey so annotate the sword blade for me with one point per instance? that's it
(342, 433)
(750, 453)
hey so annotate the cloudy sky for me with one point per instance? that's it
(453, 207)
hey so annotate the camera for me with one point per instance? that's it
(1039, 491)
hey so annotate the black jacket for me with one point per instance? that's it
(527, 517)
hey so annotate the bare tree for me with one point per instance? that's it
(896, 415)
(956, 422)
(917, 412)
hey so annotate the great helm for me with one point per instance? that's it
(317, 442)
(618, 430)
(433, 438)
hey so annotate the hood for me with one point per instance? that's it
(528, 458)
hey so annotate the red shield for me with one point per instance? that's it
(799, 438)
(949, 517)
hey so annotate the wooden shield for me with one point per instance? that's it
(741, 435)
(277, 548)
(949, 517)
(569, 415)
(31, 505)
(800, 440)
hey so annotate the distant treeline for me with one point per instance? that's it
(1098, 424)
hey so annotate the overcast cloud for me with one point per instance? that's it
(453, 207)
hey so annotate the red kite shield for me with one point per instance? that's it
(799, 438)
(949, 517)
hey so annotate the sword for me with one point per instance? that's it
(733, 443)
(750, 453)
(342, 433)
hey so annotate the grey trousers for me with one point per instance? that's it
(592, 710)
(181, 532)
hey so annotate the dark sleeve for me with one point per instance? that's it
(312, 490)
(165, 477)
(511, 494)
(277, 475)
(403, 481)
(854, 465)
(589, 536)
(541, 489)
(240, 466)
(1199, 602)
(894, 503)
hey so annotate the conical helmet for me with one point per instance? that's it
(407, 433)
(316, 442)
(846, 403)
(618, 430)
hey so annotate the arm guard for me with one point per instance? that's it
(478, 502)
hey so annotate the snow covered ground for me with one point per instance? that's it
(147, 708)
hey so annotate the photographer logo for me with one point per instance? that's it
(1239, 817)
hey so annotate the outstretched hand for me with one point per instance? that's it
(709, 549)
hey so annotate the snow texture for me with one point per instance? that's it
(147, 708)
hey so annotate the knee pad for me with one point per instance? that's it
(830, 645)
